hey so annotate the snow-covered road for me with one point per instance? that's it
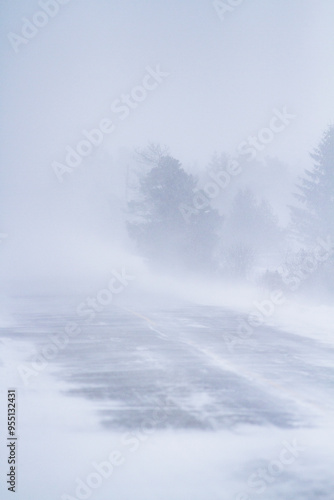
(190, 416)
(130, 359)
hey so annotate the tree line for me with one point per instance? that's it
(172, 233)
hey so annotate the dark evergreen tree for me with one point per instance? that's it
(157, 223)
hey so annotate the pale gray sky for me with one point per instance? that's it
(225, 76)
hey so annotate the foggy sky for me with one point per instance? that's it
(225, 79)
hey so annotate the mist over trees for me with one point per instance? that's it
(251, 235)
(312, 219)
(313, 215)
(156, 223)
(175, 225)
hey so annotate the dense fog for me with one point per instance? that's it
(167, 191)
(245, 89)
